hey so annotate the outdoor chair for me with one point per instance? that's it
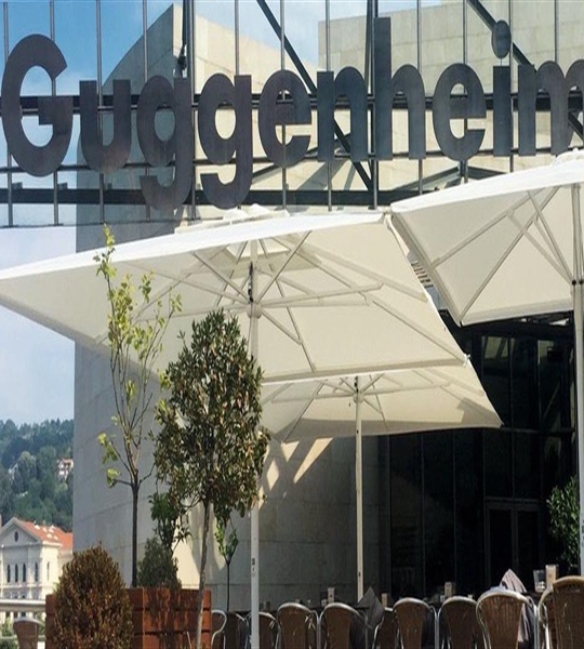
(268, 630)
(546, 620)
(458, 625)
(297, 627)
(386, 632)
(568, 598)
(27, 632)
(416, 622)
(236, 631)
(499, 613)
(218, 623)
(337, 625)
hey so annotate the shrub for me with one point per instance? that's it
(564, 510)
(158, 567)
(92, 607)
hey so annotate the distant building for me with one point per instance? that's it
(64, 468)
(31, 559)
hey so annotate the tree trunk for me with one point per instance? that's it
(228, 582)
(135, 493)
(202, 580)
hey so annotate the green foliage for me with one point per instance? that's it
(564, 514)
(7, 640)
(209, 449)
(32, 491)
(136, 325)
(227, 543)
(166, 511)
(92, 607)
(158, 566)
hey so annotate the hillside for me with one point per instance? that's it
(29, 485)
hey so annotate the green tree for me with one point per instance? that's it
(564, 512)
(210, 450)
(135, 345)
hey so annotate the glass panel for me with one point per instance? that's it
(498, 463)
(529, 555)
(469, 517)
(557, 461)
(550, 357)
(406, 516)
(524, 389)
(121, 29)
(500, 544)
(496, 374)
(438, 510)
(527, 465)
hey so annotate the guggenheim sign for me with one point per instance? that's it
(220, 92)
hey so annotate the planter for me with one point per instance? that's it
(162, 618)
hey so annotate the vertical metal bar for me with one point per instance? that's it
(100, 95)
(465, 61)
(329, 165)
(192, 62)
(511, 62)
(145, 49)
(359, 487)
(53, 93)
(237, 61)
(578, 297)
(255, 512)
(283, 67)
(423, 512)
(374, 167)
(8, 156)
(556, 30)
(419, 64)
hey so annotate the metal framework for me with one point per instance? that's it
(369, 194)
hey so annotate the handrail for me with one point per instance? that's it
(8, 605)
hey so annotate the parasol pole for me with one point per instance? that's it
(578, 280)
(254, 314)
(359, 488)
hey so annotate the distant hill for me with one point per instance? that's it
(29, 485)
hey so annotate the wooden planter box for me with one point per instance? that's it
(162, 618)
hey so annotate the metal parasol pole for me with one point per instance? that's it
(254, 314)
(359, 488)
(578, 280)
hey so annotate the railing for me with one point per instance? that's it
(19, 606)
(24, 605)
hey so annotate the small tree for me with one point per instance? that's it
(135, 344)
(210, 450)
(564, 512)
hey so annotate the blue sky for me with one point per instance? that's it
(37, 365)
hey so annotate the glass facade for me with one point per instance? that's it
(464, 506)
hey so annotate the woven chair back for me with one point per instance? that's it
(459, 616)
(218, 622)
(499, 614)
(297, 627)
(547, 620)
(412, 616)
(236, 631)
(27, 633)
(268, 630)
(387, 633)
(335, 626)
(568, 604)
